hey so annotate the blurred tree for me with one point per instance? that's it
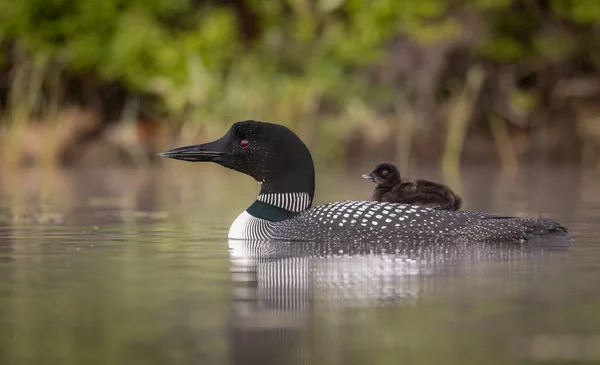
(308, 62)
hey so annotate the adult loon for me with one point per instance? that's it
(281, 163)
(392, 188)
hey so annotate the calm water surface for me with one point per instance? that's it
(133, 267)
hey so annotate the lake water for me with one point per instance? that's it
(125, 266)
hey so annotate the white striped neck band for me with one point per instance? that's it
(293, 202)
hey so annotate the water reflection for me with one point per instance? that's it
(133, 267)
(279, 286)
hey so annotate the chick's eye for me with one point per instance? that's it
(385, 172)
(244, 143)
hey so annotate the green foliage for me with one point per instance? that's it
(181, 51)
(521, 30)
(585, 12)
(305, 59)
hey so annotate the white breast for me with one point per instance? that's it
(248, 227)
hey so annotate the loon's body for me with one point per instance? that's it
(391, 188)
(281, 163)
(353, 221)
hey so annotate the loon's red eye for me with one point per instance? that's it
(244, 143)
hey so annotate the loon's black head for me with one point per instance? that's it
(271, 153)
(384, 174)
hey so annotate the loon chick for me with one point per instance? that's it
(392, 188)
(281, 163)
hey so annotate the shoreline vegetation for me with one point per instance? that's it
(437, 81)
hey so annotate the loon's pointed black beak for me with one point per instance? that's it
(206, 152)
(368, 177)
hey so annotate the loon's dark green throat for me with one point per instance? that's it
(275, 157)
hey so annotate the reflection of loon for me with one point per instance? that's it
(366, 274)
(282, 164)
(291, 280)
(282, 289)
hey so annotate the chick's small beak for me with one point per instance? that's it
(368, 177)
